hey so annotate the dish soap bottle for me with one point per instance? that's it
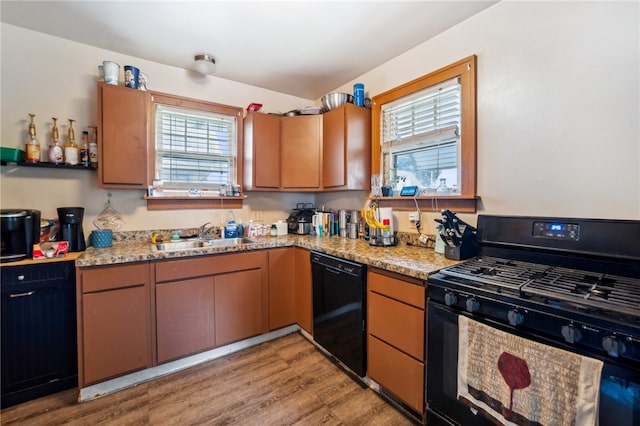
(32, 144)
(70, 146)
(230, 230)
(56, 155)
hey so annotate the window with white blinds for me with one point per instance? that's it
(420, 135)
(195, 148)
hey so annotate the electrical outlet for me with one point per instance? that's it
(257, 215)
(413, 218)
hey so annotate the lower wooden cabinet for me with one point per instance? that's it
(282, 287)
(209, 301)
(114, 321)
(135, 316)
(239, 306)
(184, 318)
(396, 335)
(304, 290)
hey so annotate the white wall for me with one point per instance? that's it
(53, 77)
(558, 104)
(558, 113)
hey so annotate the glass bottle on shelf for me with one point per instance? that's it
(84, 149)
(70, 146)
(93, 147)
(32, 144)
(442, 188)
(56, 155)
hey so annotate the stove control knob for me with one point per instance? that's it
(570, 333)
(450, 299)
(515, 317)
(473, 305)
(613, 346)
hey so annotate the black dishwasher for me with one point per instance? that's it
(339, 288)
(39, 351)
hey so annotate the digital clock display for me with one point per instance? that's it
(556, 230)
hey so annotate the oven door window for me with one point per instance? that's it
(619, 388)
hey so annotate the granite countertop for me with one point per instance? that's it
(414, 261)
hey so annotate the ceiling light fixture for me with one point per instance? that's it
(204, 64)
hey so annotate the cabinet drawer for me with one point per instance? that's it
(405, 289)
(172, 270)
(111, 277)
(397, 372)
(396, 323)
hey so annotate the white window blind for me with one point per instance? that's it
(420, 136)
(194, 147)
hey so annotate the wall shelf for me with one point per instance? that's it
(48, 165)
(455, 203)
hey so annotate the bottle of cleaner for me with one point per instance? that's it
(230, 229)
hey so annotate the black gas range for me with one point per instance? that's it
(569, 283)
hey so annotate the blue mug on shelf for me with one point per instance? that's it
(131, 76)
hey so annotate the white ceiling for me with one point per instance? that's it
(301, 48)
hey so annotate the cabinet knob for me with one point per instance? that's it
(20, 277)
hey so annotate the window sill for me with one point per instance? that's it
(457, 204)
(186, 203)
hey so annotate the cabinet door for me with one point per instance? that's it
(346, 150)
(116, 333)
(122, 143)
(262, 151)
(300, 142)
(304, 290)
(282, 297)
(184, 312)
(333, 149)
(238, 306)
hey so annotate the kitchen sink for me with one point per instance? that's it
(194, 244)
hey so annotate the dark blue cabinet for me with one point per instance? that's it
(39, 351)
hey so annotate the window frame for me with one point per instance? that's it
(194, 104)
(464, 69)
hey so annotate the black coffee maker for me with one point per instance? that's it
(71, 227)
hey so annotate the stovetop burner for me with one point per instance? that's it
(553, 283)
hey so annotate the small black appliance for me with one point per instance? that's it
(20, 231)
(71, 227)
(299, 221)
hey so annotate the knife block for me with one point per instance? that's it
(467, 248)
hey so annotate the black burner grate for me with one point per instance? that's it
(588, 289)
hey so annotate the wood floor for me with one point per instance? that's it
(283, 382)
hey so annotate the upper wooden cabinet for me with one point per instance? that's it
(300, 152)
(328, 152)
(261, 152)
(346, 149)
(122, 137)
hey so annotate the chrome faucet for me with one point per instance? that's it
(201, 230)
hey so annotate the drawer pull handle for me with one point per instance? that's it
(28, 293)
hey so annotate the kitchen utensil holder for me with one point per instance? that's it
(467, 248)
